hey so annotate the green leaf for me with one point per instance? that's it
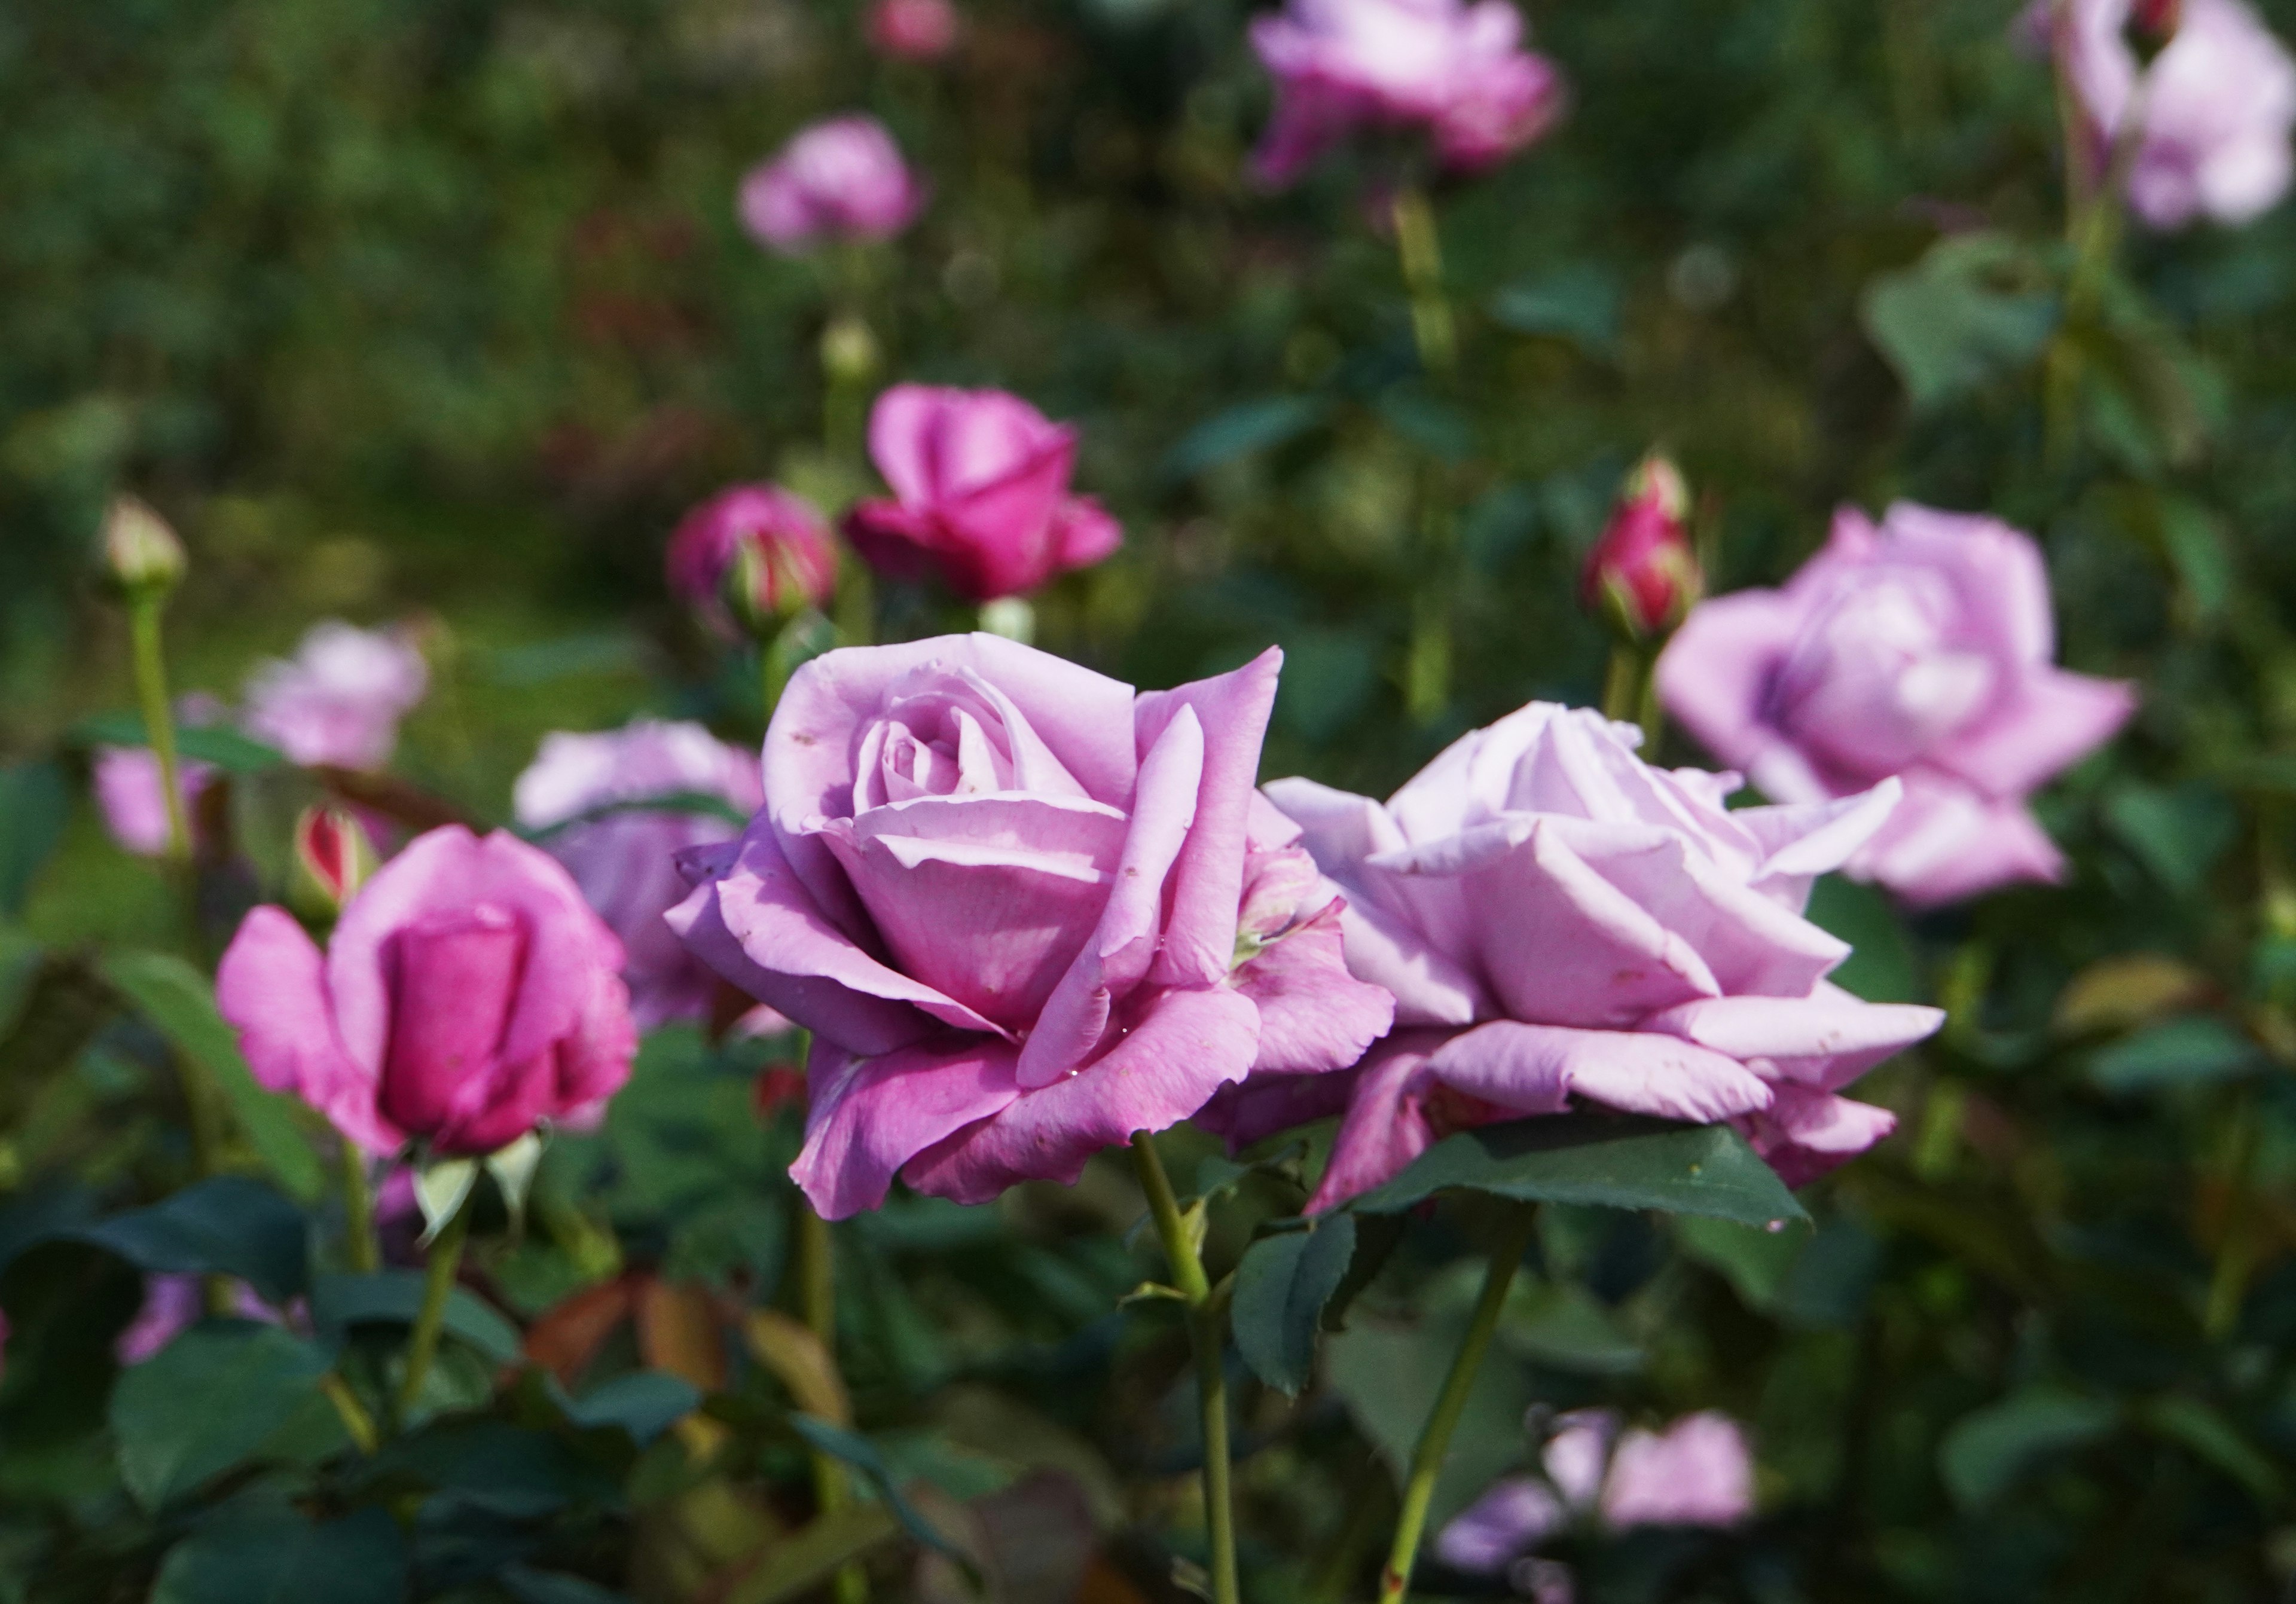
(1390, 1374)
(529, 1585)
(1879, 967)
(394, 1297)
(801, 1562)
(1967, 313)
(2196, 1049)
(1578, 303)
(2210, 1436)
(2179, 832)
(642, 1403)
(227, 748)
(1565, 1328)
(33, 802)
(179, 1004)
(206, 1402)
(862, 1454)
(227, 1225)
(1281, 1288)
(277, 1557)
(1239, 430)
(1987, 1450)
(1614, 1161)
(1752, 1258)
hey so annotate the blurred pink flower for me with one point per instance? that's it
(1919, 648)
(775, 540)
(171, 1302)
(626, 862)
(466, 995)
(1004, 894)
(1558, 919)
(2214, 109)
(339, 699)
(127, 783)
(1641, 575)
(1696, 1473)
(981, 487)
(1456, 70)
(912, 30)
(840, 179)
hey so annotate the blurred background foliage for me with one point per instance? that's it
(439, 309)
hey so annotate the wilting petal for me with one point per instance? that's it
(869, 1116)
(271, 987)
(1537, 1068)
(1314, 1016)
(1806, 1131)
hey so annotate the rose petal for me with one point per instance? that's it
(869, 1116)
(1384, 1128)
(1314, 1016)
(1826, 1039)
(271, 987)
(1536, 1069)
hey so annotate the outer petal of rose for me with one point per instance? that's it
(1314, 1016)
(896, 542)
(1999, 573)
(1264, 1104)
(1189, 1045)
(1806, 1132)
(1001, 536)
(1799, 841)
(1945, 843)
(1536, 1069)
(2049, 722)
(1083, 534)
(271, 987)
(1384, 1128)
(1827, 1039)
(1557, 939)
(1085, 719)
(1697, 1472)
(1474, 777)
(1511, 1517)
(1208, 877)
(902, 423)
(1714, 674)
(750, 921)
(869, 1116)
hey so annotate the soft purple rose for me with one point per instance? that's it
(2214, 109)
(466, 995)
(1559, 919)
(1457, 70)
(980, 494)
(339, 699)
(841, 179)
(1696, 1473)
(626, 862)
(1005, 893)
(911, 30)
(1920, 649)
(172, 1301)
(127, 783)
(774, 541)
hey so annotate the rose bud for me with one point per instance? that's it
(335, 856)
(911, 30)
(748, 557)
(1642, 575)
(141, 552)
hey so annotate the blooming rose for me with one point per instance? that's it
(2213, 109)
(841, 179)
(1920, 649)
(775, 539)
(1557, 919)
(339, 699)
(466, 995)
(911, 30)
(127, 783)
(1458, 70)
(981, 487)
(1005, 893)
(625, 862)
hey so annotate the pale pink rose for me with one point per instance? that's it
(1696, 1473)
(912, 30)
(1560, 922)
(774, 539)
(2213, 111)
(626, 862)
(340, 699)
(1456, 70)
(842, 179)
(980, 494)
(1005, 893)
(127, 783)
(467, 995)
(1920, 649)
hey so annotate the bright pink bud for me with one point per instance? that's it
(1641, 575)
(750, 556)
(333, 857)
(912, 30)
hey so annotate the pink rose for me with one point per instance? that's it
(625, 862)
(1457, 70)
(1642, 573)
(841, 179)
(2214, 107)
(339, 699)
(912, 30)
(776, 541)
(1920, 649)
(127, 783)
(981, 487)
(172, 1301)
(467, 995)
(1558, 919)
(1005, 894)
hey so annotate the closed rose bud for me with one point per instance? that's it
(333, 857)
(748, 557)
(141, 552)
(1642, 575)
(911, 30)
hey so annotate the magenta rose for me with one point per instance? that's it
(1458, 71)
(774, 541)
(1920, 649)
(1005, 893)
(980, 494)
(340, 699)
(1641, 575)
(467, 995)
(838, 180)
(1559, 920)
(626, 862)
(2213, 109)
(911, 30)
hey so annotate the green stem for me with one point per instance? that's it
(359, 1249)
(2093, 228)
(1420, 249)
(150, 663)
(816, 1268)
(1435, 1437)
(1631, 691)
(437, 1284)
(1212, 1373)
(353, 1413)
(2236, 1249)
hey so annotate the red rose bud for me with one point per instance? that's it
(750, 558)
(2152, 23)
(1641, 575)
(141, 552)
(333, 857)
